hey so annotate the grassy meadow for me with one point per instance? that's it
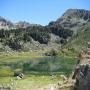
(39, 70)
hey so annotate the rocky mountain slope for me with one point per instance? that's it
(26, 36)
(72, 19)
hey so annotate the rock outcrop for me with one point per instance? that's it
(82, 71)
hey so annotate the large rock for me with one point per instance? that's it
(82, 71)
(83, 78)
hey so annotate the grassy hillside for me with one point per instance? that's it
(78, 42)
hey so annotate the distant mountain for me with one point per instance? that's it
(22, 24)
(66, 29)
(5, 24)
(72, 19)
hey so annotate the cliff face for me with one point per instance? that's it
(82, 71)
(83, 78)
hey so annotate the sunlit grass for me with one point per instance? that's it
(34, 79)
(20, 56)
(29, 82)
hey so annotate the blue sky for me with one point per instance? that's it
(38, 11)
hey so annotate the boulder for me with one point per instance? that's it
(18, 74)
(82, 74)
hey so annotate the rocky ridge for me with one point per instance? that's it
(72, 19)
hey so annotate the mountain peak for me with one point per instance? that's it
(77, 13)
(72, 19)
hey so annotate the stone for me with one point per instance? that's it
(83, 75)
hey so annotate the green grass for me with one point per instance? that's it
(41, 64)
(78, 42)
(20, 56)
(38, 70)
(29, 82)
